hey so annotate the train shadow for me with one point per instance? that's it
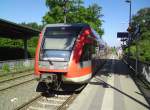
(104, 84)
(118, 68)
(55, 93)
(65, 89)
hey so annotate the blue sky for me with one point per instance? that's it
(116, 13)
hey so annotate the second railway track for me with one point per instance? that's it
(15, 77)
(16, 81)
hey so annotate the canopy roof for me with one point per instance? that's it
(15, 31)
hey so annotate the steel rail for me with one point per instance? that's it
(15, 73)
(68, 101)
(29, 102)
(2, 81)
(17, 84)
(34, 100)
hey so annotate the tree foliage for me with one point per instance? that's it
(33, 25)
(143, 19)
(75, 13)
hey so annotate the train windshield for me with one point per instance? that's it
(58, 42)
(60, 38)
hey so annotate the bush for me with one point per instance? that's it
(31, 52)
(5, 68)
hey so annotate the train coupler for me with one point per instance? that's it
(50, 81)
(48, 78)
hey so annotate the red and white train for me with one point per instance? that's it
(65, 54)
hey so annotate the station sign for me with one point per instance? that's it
(123, 40)
(122, 34)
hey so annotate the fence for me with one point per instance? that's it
(143, 69)
(11, 66)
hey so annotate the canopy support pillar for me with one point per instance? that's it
(25, 48)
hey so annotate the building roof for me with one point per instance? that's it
(15, 31)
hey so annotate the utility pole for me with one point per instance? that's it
(78, 6)
(65, 11)
(137, 36)
(129, 28)
(137, 57)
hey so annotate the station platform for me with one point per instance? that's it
(112, 88)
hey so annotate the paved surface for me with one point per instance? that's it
(111, 89)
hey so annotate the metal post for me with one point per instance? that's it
(129, 44)
(129, 1)
(130, 14)
(137, 58)
(137, 48)
(77, 13)
(65, 11)
(65, 18)
(129, 26)
(25, 48)
(43, 23)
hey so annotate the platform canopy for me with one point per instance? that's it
(15, 31)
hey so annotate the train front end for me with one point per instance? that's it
(58, 56)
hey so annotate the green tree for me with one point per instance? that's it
(76, 13)
(33, 25)
(143, 19)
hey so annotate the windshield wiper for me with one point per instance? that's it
(50, 62)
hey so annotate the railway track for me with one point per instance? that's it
(53, 102)
(16, 81)
(15, 77)
(15, 73)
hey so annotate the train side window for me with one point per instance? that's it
(94, 46)
(95, 49)
(86, 54)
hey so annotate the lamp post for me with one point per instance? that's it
(137, 49)
(129, 28)
(129, 1)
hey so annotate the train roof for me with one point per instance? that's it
(68, 25)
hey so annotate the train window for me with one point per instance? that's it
(86, 54)
(94, 49)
